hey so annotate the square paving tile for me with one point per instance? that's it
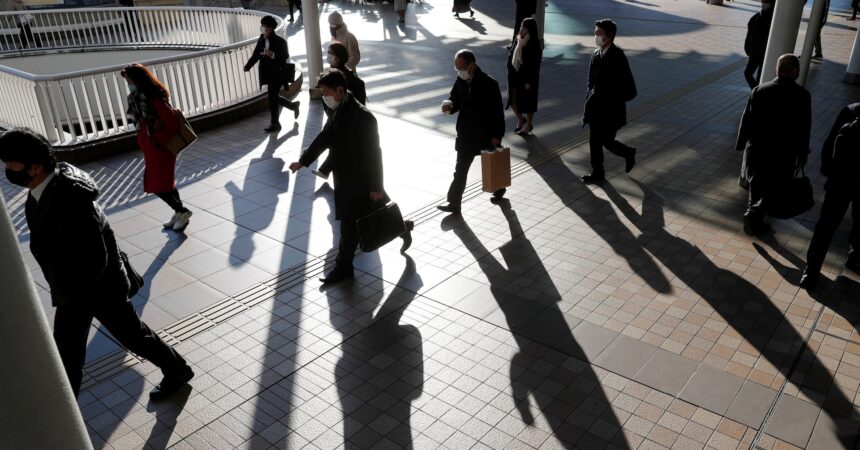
(625, 356)
(793, 420)
(751, 404)
(667, 372)
(712, 389)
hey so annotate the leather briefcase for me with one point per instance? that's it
(380, 227)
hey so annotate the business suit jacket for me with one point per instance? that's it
(73, 243)
(481, 114)
(835, 170)
(775, 128)
(610, 86)
(352, 137)
(272, 70)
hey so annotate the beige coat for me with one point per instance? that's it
(348, 39)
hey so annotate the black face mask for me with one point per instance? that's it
(18, 177)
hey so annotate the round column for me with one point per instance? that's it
(783, 35)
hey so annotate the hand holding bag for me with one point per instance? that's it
(496, 169)
(380, 227)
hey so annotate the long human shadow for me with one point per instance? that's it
(741, 304)
(539, 319)
(381, 371)
(242, 246)
(167, 414)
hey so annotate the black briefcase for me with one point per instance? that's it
(791, 197)
(380, 227)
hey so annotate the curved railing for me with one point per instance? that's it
(83, 106)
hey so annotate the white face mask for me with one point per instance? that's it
(599, 41)
(262, 30)
(330, 101)
(331, 59)
(463, 74)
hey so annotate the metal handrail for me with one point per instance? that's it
(86, 105)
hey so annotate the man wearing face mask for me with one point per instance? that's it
(610, 86)
(755, 43)
(477, 100)
(352, 138)
(272, 53)
(75, 247)
(340, 33)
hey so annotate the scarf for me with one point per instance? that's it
(141, 108)
(517, 59)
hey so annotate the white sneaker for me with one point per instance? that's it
(172, 221)
(324, 176)
(182, 220)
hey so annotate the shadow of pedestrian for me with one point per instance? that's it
(381, 371)
(560, 381)
(166, 414)
(742, 305)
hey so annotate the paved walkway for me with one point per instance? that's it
(631, 315)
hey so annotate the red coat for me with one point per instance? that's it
(159, 174)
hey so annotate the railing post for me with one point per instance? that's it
(39, 410)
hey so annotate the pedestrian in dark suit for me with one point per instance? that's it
(524, 76)
(272, 53)
(755, 44)
(338, 55)
(840, 163)
(477, 100)
(610, 86)
(295, 4)
(774, 135)
(352, 138)
(817, 43)
(75, 247)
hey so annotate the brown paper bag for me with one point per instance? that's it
(496, 169)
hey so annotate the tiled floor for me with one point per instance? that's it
(631, 315)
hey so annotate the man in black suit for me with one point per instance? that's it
(774, 135)
(755, 43)
(840, 163)
(75, 247)
(480, 124)
(352, 137)
(272, 52)
(610, 86)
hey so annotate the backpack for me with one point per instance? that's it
(846, 149)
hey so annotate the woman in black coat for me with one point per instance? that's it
(524, 76)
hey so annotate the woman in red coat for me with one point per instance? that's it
(156, 124)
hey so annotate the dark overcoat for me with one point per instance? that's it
(272, 70)
(529, 73)
(352, 138)
(73, 243)
(775, 128)
(481, 115)
(610, 86)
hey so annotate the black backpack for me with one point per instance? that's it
(846, 149)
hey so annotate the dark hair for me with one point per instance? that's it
(529, 23)
(26, 146)
(608, 26)
(340, 52)
(145, 80)
(269, 21)
(467, 55)
(332, 78)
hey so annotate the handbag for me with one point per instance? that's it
(135, 281)
(790, 198)
(380, 227)
(184, 136)
(495, 169)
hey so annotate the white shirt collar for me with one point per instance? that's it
(37, 191)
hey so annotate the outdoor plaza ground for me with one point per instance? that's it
(635, 314)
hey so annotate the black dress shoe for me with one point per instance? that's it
(449, 208)
(809, 280)
(753, 226)
(593, 179)
(169, 385)
(498, 195)
(337, 275)
(272, 129)
(407, 236)
(630, 160)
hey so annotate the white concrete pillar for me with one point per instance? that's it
(812, 30)
(39, 410)
(783, 35)
(313, 44)
(852, 75)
